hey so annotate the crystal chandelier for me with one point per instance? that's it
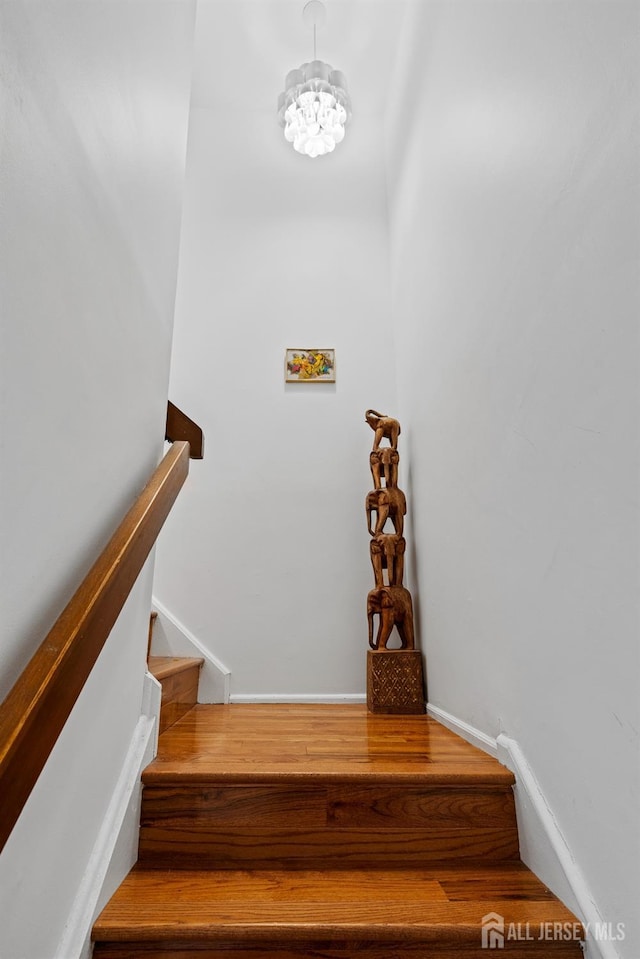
(314, 107)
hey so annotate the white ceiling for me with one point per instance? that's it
(244, 49)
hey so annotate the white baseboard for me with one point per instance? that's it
(543, 847)
(470, 733)
(545, 851)
(293, 698)
(116, 847)
(172, 638)
(151, 703)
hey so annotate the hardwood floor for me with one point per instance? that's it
(325, 831)
(300, 742)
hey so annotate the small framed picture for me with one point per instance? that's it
(310, 366)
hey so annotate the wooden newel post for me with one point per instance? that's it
(395, 682)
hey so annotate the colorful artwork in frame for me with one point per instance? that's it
(310, 366)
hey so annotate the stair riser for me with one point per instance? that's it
(344, 849)
(331, 806)
(179, 695)
(311, 827)
(180, 686)
(334, 950)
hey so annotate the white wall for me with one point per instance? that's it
(515, 240)
(94, 139)
(265, 558)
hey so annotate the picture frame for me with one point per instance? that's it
(305, 365)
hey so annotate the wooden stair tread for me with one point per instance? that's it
(164, 666)
(428, 904)
(294, 771)
(306, 742)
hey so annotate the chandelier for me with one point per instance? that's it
(314, 107)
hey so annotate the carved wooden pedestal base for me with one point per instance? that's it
(394, 682)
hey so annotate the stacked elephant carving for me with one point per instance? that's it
(394, 673)
(386, 508)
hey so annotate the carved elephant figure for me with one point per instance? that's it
(393, 605)
(384, 464)
(389, 502)
(387, 552)
(383, 427)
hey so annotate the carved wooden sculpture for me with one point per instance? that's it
(384, 465)
(394, 676)
(387, 552)
(384, 427)
(388, 503)
(393, 605)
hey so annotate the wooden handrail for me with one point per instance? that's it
(36, 709)
(181, 427)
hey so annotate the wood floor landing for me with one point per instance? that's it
(342, 742)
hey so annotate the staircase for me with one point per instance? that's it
(327, 831)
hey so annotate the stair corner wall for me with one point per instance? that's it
(544, 849)
(173, 638)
